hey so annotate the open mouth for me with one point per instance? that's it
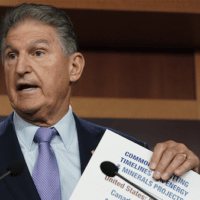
(26, 87)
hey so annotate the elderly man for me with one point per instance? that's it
(41, 62)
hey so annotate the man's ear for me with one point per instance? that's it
(76, 65)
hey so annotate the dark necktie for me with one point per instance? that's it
(45, 172)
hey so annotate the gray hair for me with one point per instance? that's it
(45, 14)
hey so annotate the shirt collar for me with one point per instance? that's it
(25, 131)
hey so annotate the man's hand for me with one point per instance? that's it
(172, 158)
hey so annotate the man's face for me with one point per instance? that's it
(36, 71)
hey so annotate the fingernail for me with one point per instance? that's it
(165, 176)
(152, 166)
(177, 172)
(156, 175)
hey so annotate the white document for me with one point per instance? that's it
(133, 163)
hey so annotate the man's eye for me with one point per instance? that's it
(11, 56)
(38, 53)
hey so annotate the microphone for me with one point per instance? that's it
(14, 169)
(111, 170)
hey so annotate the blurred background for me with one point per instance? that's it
(142, 73)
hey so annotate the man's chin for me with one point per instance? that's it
(29, 115)
(28, 106)
(26, 110)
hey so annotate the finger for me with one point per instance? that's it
(192, 162)
(196, 169)
(183, 168)
(167, 158)
(178, 160)
(157, 155)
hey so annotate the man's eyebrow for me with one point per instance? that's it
(8, 45)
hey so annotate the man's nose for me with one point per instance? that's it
(23, 65)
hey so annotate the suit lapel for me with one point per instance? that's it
(89, 136)
(22, 187)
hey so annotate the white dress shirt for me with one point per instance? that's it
(65, 147)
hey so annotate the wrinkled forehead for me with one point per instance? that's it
(30, 32)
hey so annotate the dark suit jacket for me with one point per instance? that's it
(22, 187)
